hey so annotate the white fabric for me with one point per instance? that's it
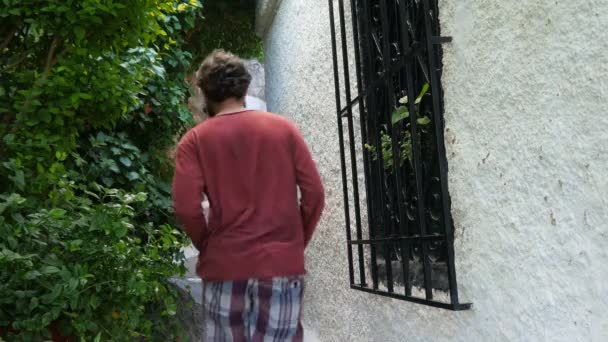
(252, 102)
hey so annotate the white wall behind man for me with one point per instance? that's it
(526, 84)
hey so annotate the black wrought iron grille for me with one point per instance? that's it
(387, 63)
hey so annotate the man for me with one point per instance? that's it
(249, 164)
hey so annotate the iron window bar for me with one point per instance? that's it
(397, 49)
(395, 67)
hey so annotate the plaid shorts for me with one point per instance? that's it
(254, 310)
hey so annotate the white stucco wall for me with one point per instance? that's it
(526, 100)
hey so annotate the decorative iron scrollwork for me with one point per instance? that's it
(409, 251)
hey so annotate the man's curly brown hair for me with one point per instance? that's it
(222, 76)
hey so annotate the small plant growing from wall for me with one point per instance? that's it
(405, 143)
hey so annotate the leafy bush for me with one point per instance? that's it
(91, 97)
(115, 161)
(85, 266)
(229, 25)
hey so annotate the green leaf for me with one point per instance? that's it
(72, 285)
(9, 138)
(61, 156)
(133, 175)
(74, 245)
(121, 231)
(19, 179)
(34, 302)
(18, 218)
(92, 194)
(94, 302)
(424, 121)
(400, 114)
(74, 303)
(50, 270)
(171, 309)
(31, 275)
(113, 167)
(11, 201)
(425, 88)
(102, 137)
(131, 147)
(51, 297)
(107, 181)
(57, 213)
(138, 197)
(126, 161)
(159, 71)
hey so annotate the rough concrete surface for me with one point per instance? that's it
(526, 101)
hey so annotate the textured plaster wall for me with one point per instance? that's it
(526, 94)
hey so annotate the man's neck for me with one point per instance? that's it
(230, 105)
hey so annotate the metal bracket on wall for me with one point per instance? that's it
(441, 40)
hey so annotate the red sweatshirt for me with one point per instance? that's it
(249, 164)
